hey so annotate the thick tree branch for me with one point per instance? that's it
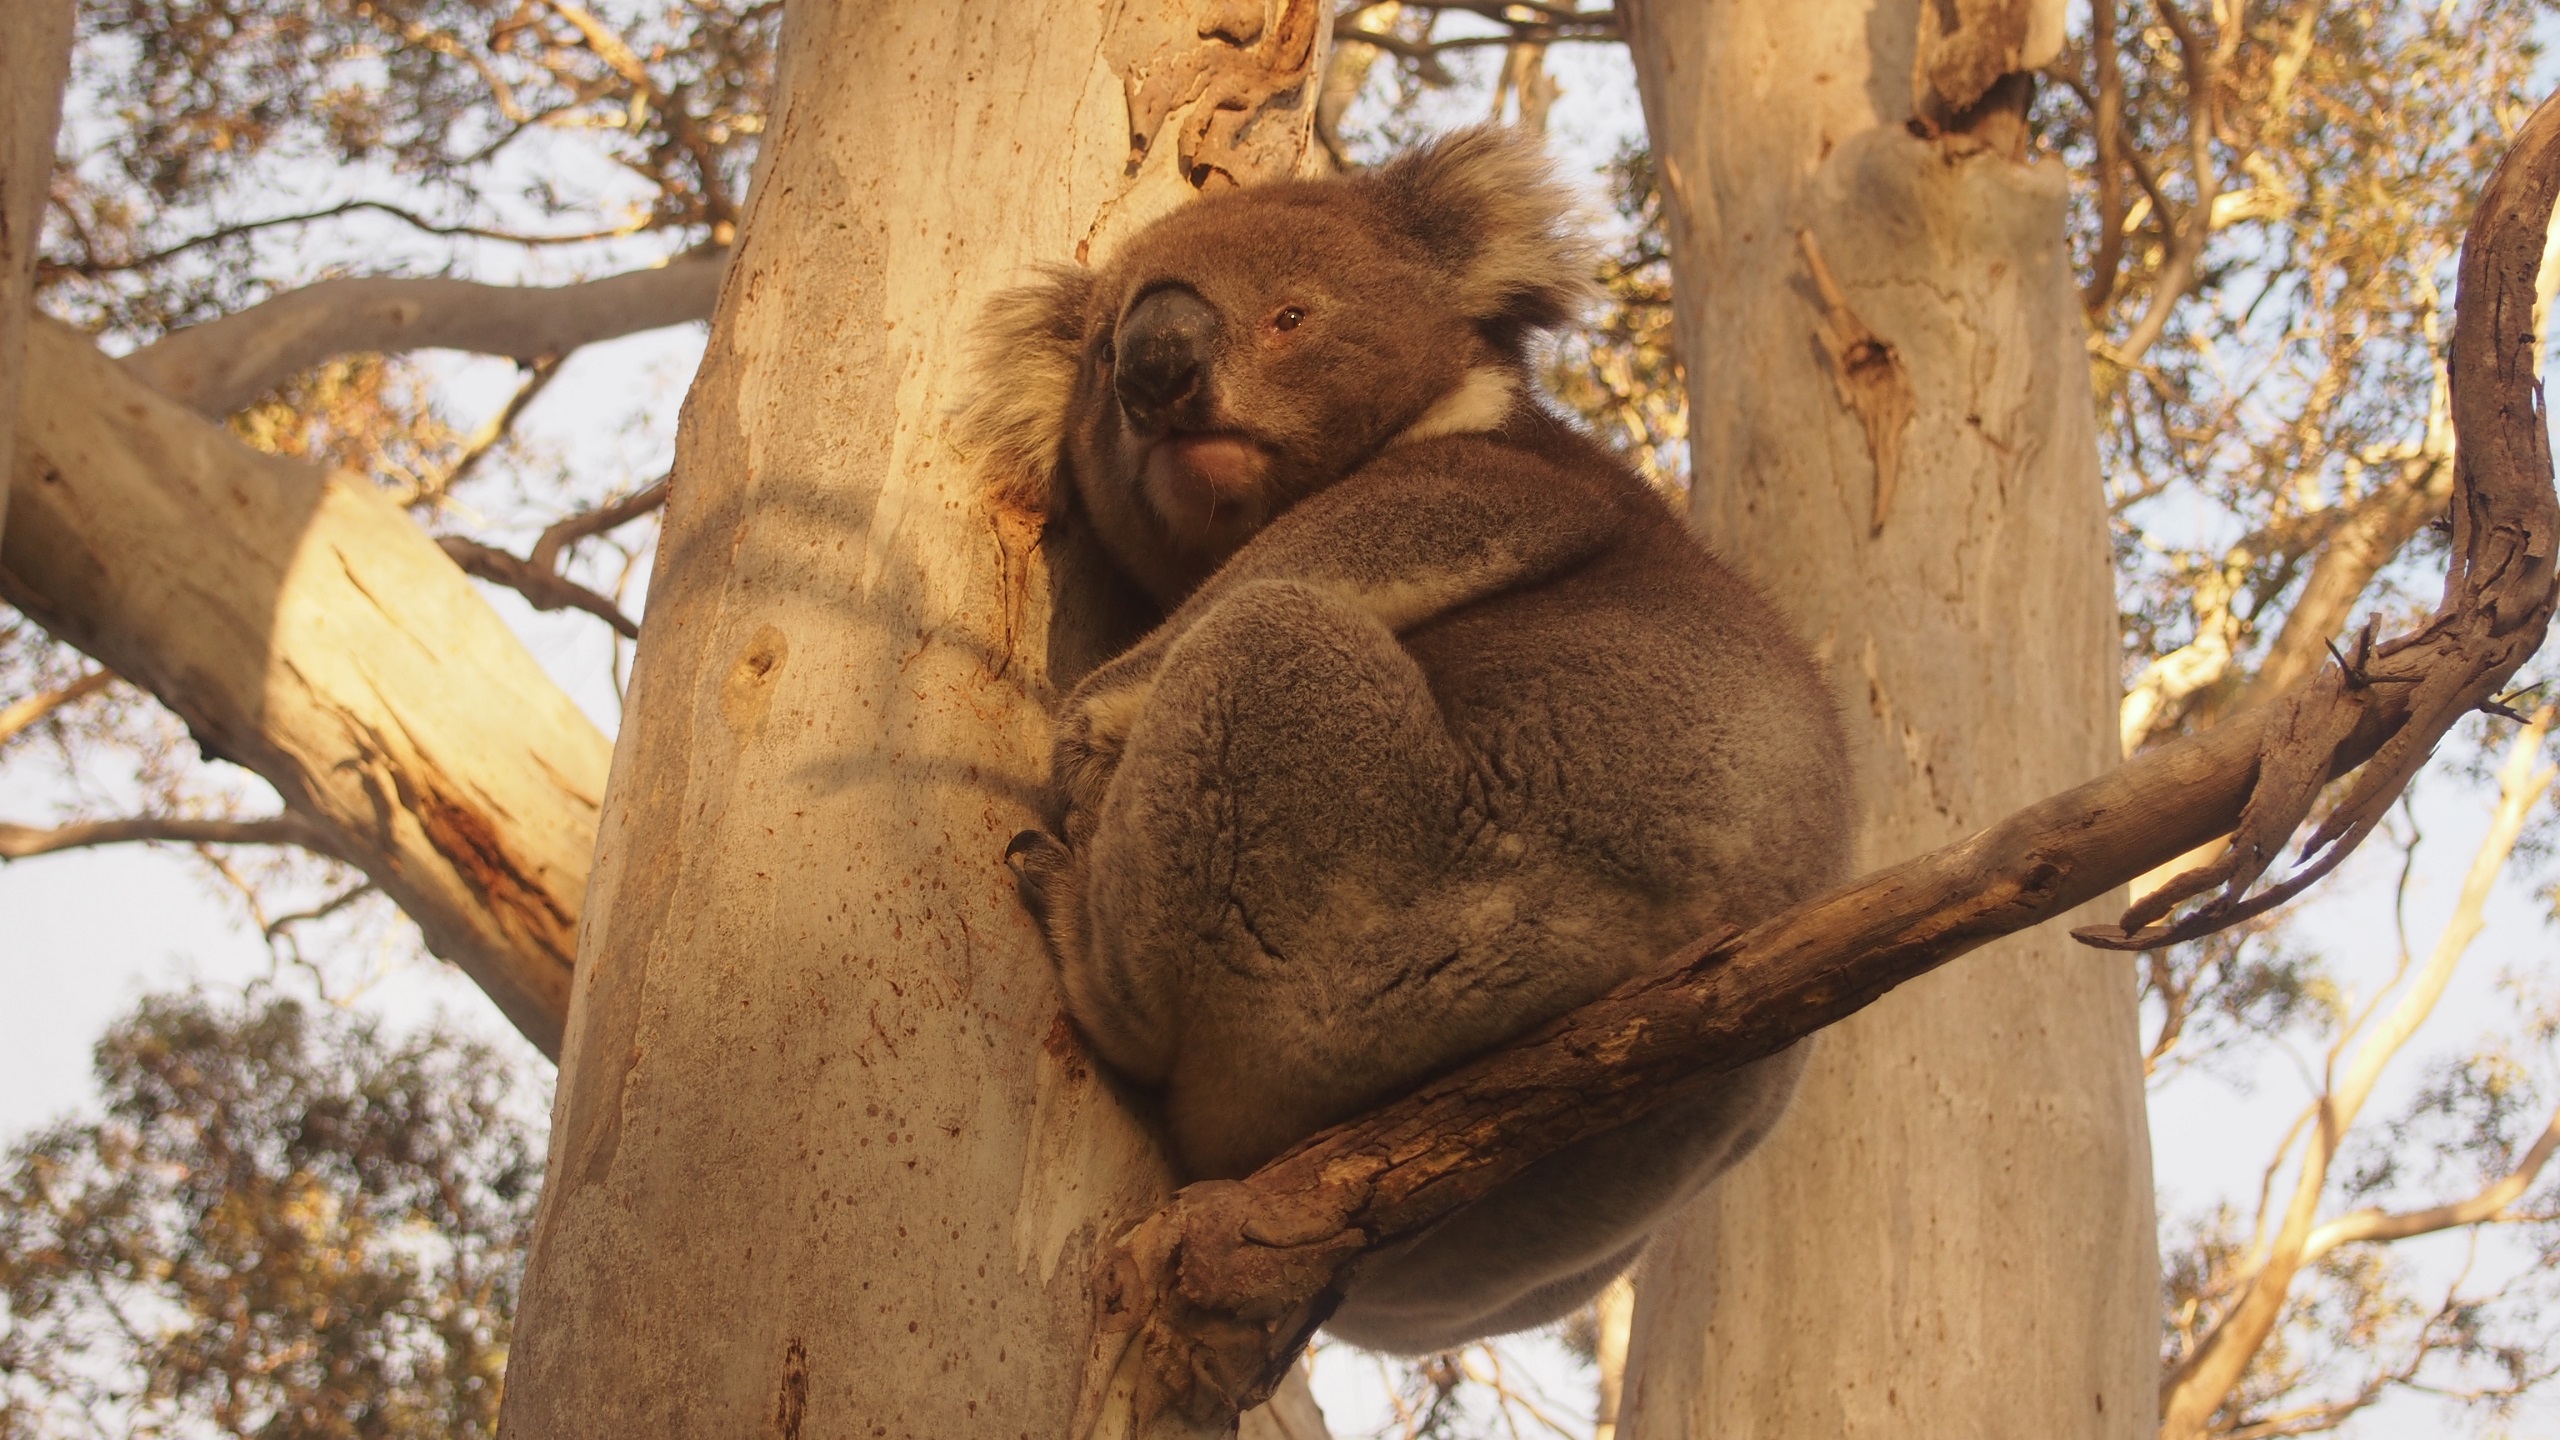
(222, 365)
(304, 628)
(20, 842)
(1203, 1303)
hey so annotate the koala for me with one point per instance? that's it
(1444, 726)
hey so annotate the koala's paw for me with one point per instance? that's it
(1039, 865)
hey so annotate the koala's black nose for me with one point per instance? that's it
(1164, 348)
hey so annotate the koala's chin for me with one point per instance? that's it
(1207, 487)
(1446, 725)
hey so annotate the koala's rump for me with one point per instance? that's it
(1605, 803)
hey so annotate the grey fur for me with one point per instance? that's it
(1451, 726)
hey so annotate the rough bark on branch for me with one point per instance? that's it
(1203, 1304)
(222, 365)
(304, 628)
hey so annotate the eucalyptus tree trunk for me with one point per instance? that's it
(32, 66)
(1951, 1234)
(827, 1158)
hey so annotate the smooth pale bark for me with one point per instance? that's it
(827, 1157)
(304, 627)
(222, 365)
(1952, 1233)
(33, 63)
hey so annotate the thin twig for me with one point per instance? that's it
(404, 215)
(538, 576)
(18, 718)
(21, 842)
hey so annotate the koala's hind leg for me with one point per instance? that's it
(1279, 841)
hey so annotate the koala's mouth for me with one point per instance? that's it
(1202, 481)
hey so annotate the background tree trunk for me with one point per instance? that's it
(32, 67)
(827, 1157)
(1952, 1233)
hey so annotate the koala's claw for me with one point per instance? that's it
(1034, 857)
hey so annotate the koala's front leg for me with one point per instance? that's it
(1092, 732)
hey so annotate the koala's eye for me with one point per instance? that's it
(1108, 353)
(1288, 319)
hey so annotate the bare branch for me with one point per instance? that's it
(21, 842)
(17, 718)
(572, 529)
(545, 589)
(2490, 1205)
(222, 365)
(2204, 1380)
(537, 577)
(2107, 125)
(2185, 237)
(538, 378)
(273, 929)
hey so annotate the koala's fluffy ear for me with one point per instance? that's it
(1487, 205)
(1023, 356)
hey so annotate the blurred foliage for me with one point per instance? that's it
(2266, 232)
(1622, 375)
(286, 1225)
(200, 126)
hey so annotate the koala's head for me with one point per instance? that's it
(1254, 347)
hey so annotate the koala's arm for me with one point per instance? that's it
(1422, 530)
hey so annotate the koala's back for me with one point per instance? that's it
(1651, 712)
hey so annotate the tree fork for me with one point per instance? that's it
(1204, 1304)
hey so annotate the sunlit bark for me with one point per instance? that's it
(827, 1157)
(32, 66)
(304, 627)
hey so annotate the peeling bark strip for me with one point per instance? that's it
(1204, 1303)
(1872, 381)
(1968, 46)
(1237, 65)
(306, 629)
(219, 366)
